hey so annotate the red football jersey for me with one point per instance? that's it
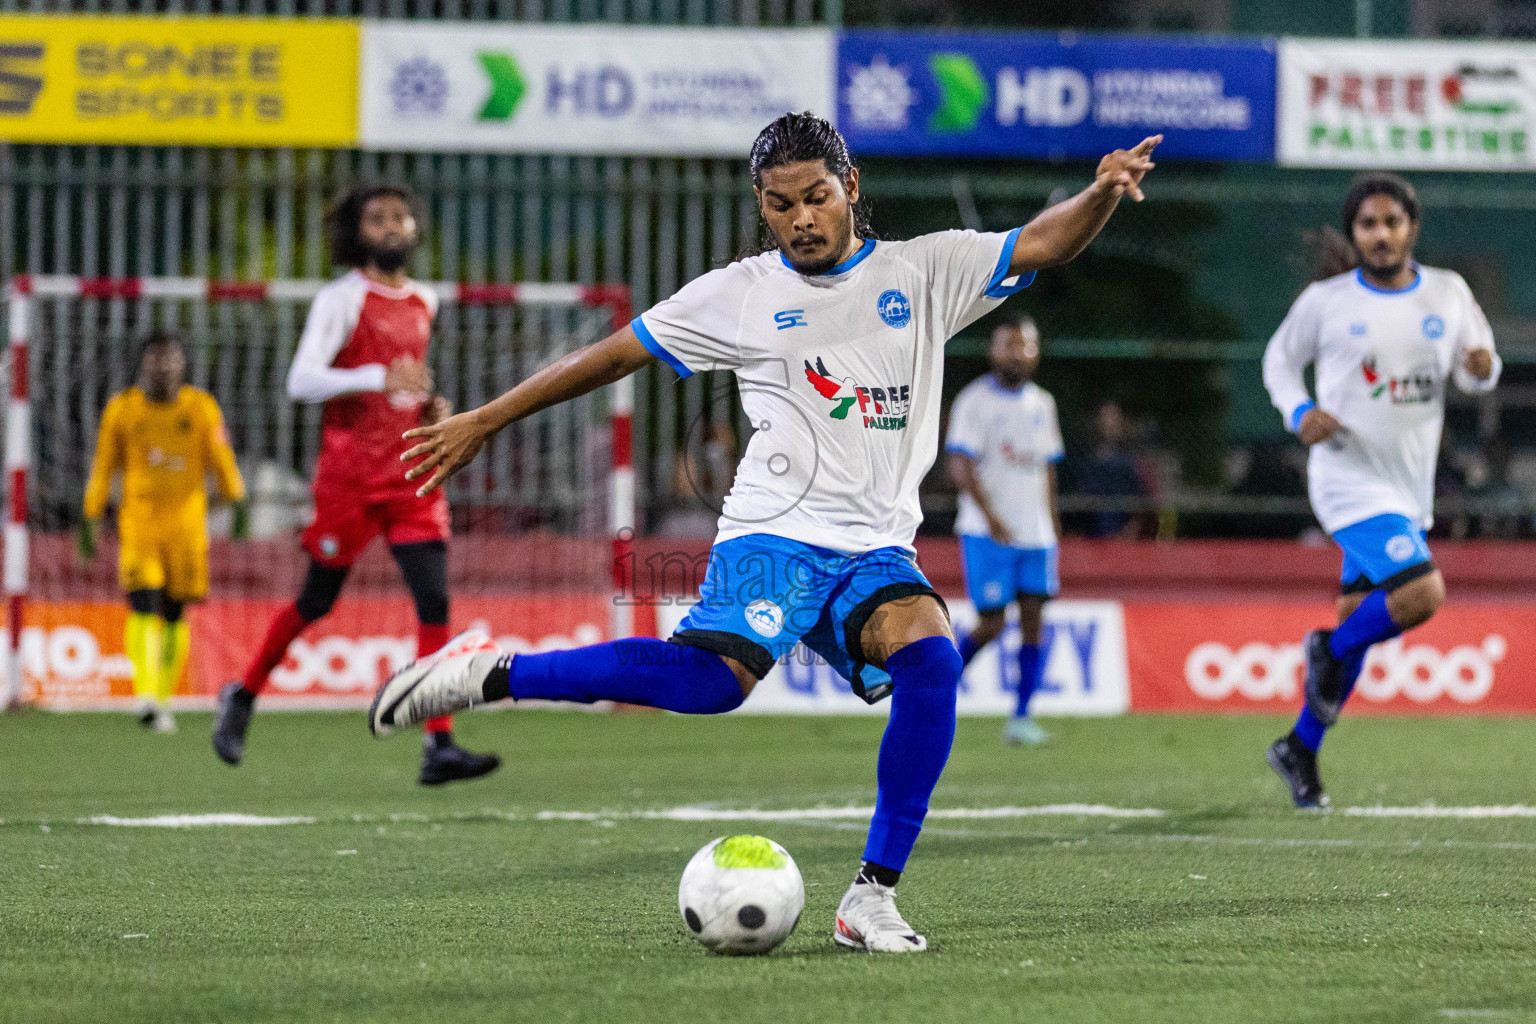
(356, 328)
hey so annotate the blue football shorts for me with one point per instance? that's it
(762, 594)
(1382, 553)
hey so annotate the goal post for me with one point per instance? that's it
(544, 521)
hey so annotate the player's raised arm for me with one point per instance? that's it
(1058, 234)
(447, 447)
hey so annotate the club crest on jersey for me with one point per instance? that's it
(880, 408)
(1434, 327)
(765, 618)
(894, 308)
(1413, 388)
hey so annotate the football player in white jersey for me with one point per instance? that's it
(1004, 442)
(1383, 339)
(837, 342)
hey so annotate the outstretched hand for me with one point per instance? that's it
(1122, 170)
(445, 448)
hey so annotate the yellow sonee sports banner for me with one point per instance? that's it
(190, 81)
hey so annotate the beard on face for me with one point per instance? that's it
(1383, 269)
(813, 267)
(388, 258)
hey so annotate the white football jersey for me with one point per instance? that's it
(1012, 436)
(1381, 359)
(839, 375)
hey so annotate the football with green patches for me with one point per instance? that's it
(741, 895)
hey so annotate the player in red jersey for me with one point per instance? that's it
(363, 354)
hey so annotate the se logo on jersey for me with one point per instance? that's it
(881, 408)
(1414, 388)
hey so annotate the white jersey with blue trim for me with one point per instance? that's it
(1382, 359)
(1012, 436)
(840, 377)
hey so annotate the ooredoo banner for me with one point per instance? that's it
(1054, 95)
(1468, 659)
(72, 654)
(586, 89)
(1441, 105)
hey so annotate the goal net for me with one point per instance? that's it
(536, 519)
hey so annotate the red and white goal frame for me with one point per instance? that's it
(23, 291)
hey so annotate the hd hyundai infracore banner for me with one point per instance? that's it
(585, 88)
(1054, 95)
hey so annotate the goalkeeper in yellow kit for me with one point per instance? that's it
(165, 437)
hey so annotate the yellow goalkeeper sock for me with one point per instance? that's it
(173, 657)
(144, 640)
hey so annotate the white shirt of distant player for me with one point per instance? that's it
(1382, 359)
(839, 375)
(332, 319)
(1013, 437)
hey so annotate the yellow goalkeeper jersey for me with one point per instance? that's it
(164, 451)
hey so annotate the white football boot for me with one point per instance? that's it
(165, 722)
(439, 684)
(867, 919)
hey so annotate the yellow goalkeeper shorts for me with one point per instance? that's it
(164, 548)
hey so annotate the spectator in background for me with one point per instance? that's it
(1272, 473)
(1501, 508)
(1109, 470)
(699, 483)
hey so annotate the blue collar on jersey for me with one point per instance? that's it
(1418, 275)
(1005, 389)
(843, 267)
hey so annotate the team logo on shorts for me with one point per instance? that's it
(882, 408)
(765, 618)
(894, 308)
(1434, 327)
(330, 547)
(1401, 548)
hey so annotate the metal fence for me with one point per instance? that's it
(254, 214)
(654, 223)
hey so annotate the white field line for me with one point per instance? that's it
(195, 820)
(846, 813)
(1431, 811)
(850, 813)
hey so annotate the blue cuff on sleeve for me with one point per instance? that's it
(996, 289)
(1300, 411)
(654, 348)
(1057, 457)
(960, 449)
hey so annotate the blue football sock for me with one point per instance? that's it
(1309, 728)
(1029, 676)
(968, 649)
(1368, 624)
(915, 747)
(640, 670)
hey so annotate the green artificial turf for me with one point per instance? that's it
(460, 904)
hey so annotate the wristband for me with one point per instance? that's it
(1299, 412)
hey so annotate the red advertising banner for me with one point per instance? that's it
(72, 653)
(1470, 659)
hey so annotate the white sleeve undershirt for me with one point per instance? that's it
(330, 323)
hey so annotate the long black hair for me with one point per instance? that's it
(794, 138)
(346, 217)
(1334, 251)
